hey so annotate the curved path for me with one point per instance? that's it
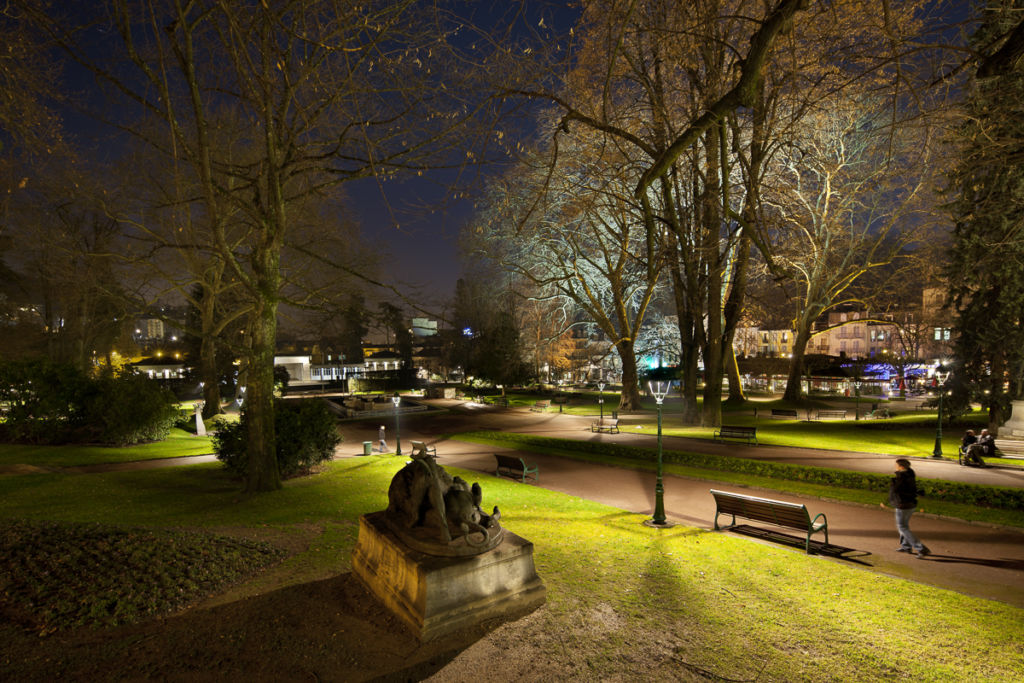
(976, 559)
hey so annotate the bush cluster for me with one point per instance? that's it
(47, 403)
(306, 433)
(954, 492)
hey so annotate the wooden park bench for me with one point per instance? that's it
(777, 512)
(540, 406)
(784, 412)
(515, 465)
(497, 401)
(830, 415)
(422, 447)
(735, 432)
(608, 425)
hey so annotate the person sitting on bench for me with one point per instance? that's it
(988, 443)
(969, 438)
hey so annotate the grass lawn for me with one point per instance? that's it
(909, 433)
(177, 444)
(689, 598)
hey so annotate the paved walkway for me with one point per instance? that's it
(974, 559)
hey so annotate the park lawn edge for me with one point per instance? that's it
(860, 496)
(179, 443)
(740, 608)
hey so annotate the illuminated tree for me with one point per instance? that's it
(567, 226)
(845, 206)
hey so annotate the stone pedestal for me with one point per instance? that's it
(1014, 427)
(436, 595)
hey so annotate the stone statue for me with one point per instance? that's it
(200, 425)
(437, 513)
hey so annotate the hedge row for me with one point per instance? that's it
(1000, 497)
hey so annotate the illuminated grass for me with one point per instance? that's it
(910, 433)
(178, 443)
(727, 604)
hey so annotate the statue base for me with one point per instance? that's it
(437, 595)
(1013, 428)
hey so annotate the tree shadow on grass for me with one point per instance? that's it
(325, 630)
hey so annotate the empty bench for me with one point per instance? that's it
(609, 425)
(748, 434)
(422, 447)
(514, 465)
(777, 512)
(830, 415)
(540, 406)
(784, 412)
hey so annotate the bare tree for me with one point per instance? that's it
(569, 227)
(845, 207)
(321, 92)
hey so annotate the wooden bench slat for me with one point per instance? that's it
(777, 512)
(515, 465)
(608, 424)
(736, 432)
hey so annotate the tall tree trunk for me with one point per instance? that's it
(262, 473)
(689, 353)
(712, 216)
(629, 397)
(208, 367)
(794, 389)
(735, 381)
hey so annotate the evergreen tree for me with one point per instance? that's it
(354, 328)
(986, 265)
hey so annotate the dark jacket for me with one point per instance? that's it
(903, 490)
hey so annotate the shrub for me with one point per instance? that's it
(306, 435)
(50, 403)
(125, 410)
(42, 400)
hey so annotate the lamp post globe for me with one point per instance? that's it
(659, 390)
(396, 399)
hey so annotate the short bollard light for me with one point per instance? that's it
(659, 390)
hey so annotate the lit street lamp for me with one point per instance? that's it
(856, 397)
(659, 390)
(396, 399)
(941, 375)
(600, 399)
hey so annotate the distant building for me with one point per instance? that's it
(422, 327)
(165, 367)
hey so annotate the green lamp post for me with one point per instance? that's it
(396, 399)
(659, 390)
(941, 375)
